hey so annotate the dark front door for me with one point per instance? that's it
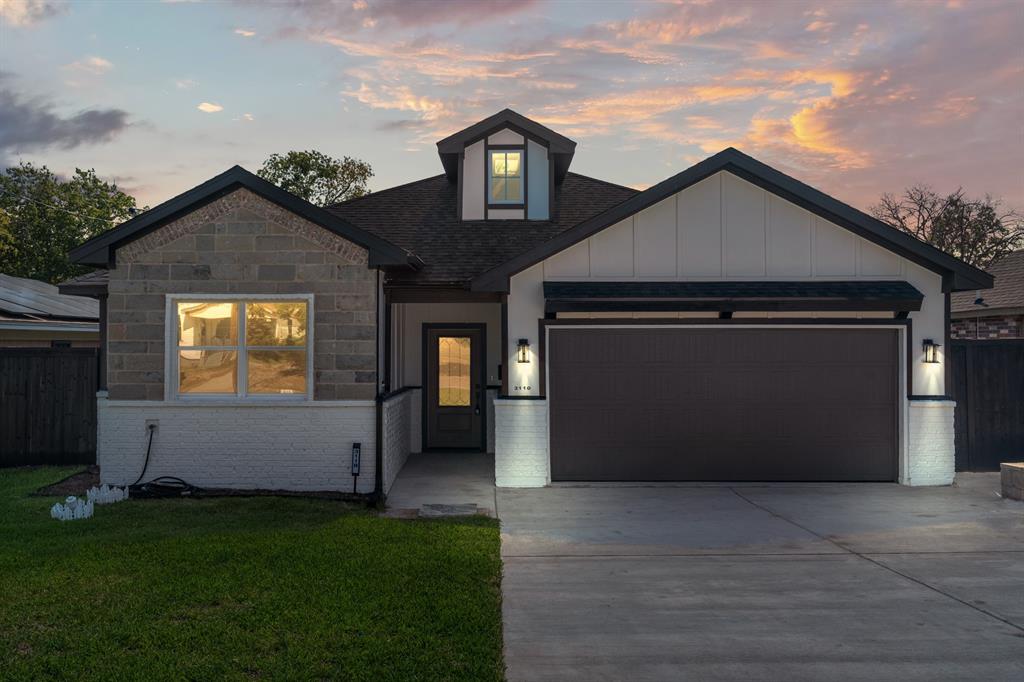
(454, 364)
(723, 404)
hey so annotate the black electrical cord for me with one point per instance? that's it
(149, 449)
(161, 486)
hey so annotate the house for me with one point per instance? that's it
(994, 314)
(728, 323)
(35, 314)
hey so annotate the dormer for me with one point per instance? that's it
(506, 166)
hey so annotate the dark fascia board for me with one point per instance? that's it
(963, 276)
(87, 290)
(455, 143)
(100, 250)
(451, 148)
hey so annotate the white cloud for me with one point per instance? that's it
(209, 107)
(245, 33)
(27, 12)
(185, 83)
(96, 66)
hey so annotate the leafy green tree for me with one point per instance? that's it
(977, 231)
(316, 177)
(43, 216)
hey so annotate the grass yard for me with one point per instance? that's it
(241, 588)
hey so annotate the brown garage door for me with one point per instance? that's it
(635, 404)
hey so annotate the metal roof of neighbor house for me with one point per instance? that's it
(1007, 294)
(422, 217)
(30, 300)
(963, 276)
(100, 250)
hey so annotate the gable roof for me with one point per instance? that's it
(101, 249)
(962, 275)
(560, 147)
(1007, 294)
(422, 217)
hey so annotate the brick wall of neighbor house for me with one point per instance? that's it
(521, 443)
(396, 430)
(931, 451)
(296, 446)
(997, 327)
(242, 244)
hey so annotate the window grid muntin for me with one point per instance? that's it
(520, 176)
(241, 349)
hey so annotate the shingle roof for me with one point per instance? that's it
(1007, 293)
(422, 218)
(31, 299)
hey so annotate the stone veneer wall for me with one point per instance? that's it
(987, 328)
(236, 245)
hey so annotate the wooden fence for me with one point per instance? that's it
(988, 386)
(47, 406)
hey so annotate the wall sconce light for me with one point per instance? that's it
(523, 351)
(931, 351)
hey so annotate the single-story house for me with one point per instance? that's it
(727, 323)
(997, 313)
(35, 314)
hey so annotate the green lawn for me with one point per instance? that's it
(242, 588)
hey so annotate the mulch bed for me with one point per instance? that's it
(75, 484)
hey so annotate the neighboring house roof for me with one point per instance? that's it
(100, 250)
(963, 276)
(560, 147)
(422, 217)
(1007, 294)
(31, 304)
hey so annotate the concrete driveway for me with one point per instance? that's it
(763, 582)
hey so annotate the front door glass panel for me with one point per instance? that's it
(453, 384)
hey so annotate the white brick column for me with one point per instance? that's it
(931, 445)
(521, 443)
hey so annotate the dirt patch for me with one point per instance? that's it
(75, 484)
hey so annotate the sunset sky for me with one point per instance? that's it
(856, 98)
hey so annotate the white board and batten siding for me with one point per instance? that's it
(474, 180)
(724, 229)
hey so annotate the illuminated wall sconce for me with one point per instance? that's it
(523, 351)
(931, 351)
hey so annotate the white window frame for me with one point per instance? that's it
(171, 354)
(521, 201)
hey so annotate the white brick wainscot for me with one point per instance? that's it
(248, 445)
(931, 447)
(521, 443)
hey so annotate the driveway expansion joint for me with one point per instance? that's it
(881, 565)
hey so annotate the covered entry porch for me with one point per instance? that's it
(442, 371)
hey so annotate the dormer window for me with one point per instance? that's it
(505, 176)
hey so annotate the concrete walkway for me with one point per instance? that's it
(443, 484)
(763, 582)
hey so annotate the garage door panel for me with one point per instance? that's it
(723, 404)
